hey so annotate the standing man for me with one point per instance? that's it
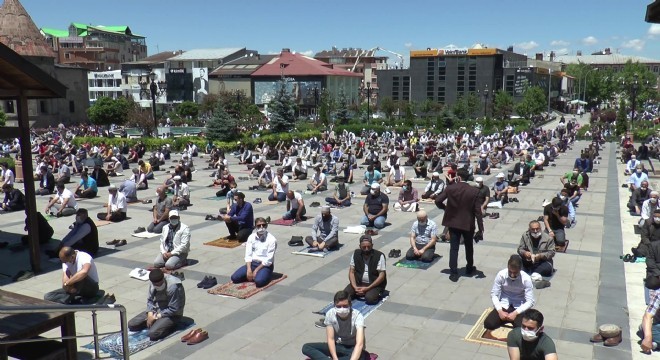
(240, 218)
(325, 231)
(529, 341)
(461, 211)
(174, 244)
(423, 236)
(259, 257)
(80, 280)
(165, 302)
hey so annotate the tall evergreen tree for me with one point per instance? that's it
(221, 126)
(282, 111)
(342, 109)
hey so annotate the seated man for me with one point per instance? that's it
(396, 176)
(536, 250)
(423, 236)
(631, 165)
(318, 182)
(45, 231)
(650, 232)
(165, 303)
(566, 201)
(181, 198)
(129, 189)
(239, 219)
(569, 176)
(483, 165)
(161, 212)
(63, 201)
(520, 174)
(140, 179)
(421, 170)
(371, 176)
(375, 208)
(344, 333)
(555, 218)
(501, 189)
(434, 187)
(100, 176)
(295, 206)
(280, 187)
(80, 279)
(408, 198)
(114, 168)
(342, 196)
(259, 257)
(223, 180)
(299, 170)
(325, 231)
(89, 188)
(484, 194)
(573, 191)
(63, 173)
(47, 182)
(366, 273)
(83, 236)
(635, 180)
(650, 328)
(649, 206)
(174, 244)
(539, 159)
(14, 199)
(638, 197)
(266, 177)
(529, 341)
(145, 168)
(512, 294)
(116, 206)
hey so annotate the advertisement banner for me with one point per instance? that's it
(302, 92)
(200, 84)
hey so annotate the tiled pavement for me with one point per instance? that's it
(426, 317)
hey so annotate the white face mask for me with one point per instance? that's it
(262, 232)
(373, 192)
(563, 197)
(654, 200)
(161, 287)
(342, 311)
(656, 220)
(535, 235)
(529, 335)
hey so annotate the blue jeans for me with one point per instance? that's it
(378, 222)
(281, 196)
(291, 214)
(263, 276)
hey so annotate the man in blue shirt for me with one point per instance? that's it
(89, 188)
(240, 219)
(371, 176)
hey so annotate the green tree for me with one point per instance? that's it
(282, 112)
(3, 118)
(188, 109)
(646, 82)
(221, 126)
(341, 114)
(445, 119)
(107, 111)
(502, 105)
(466, 106)
(533, 103)
(621, 118)
(326, 106)
(388, 107)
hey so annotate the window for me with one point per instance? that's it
(67, 55)
(91, 83)
(42, 107)
(655, 69)
(9, 107)
(72, 106)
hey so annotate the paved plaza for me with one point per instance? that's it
(426, 317)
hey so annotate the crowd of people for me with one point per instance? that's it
(380, 164)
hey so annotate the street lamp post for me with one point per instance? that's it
(486, 94)
(316, 103)
(586, 76)
(368, 102)
(633, 95)
(155, 90)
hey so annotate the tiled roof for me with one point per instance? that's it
(242, 66)
(300, 65)
(612, 59)
(345, 53)
(19, 33)
(206, 54)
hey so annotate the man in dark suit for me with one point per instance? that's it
(461, 210)
(47, 183)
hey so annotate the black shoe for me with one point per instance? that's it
(139, 230)
(470, 270)
(454, 277)
(203, 282)
(212, 281)
(397, 253)
(296, 241)
(209, 217)
(391, 254)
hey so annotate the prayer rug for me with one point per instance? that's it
(283, 222)
(244, 290)
(306, 252)
(416, 264)
(137, 341)
(102, 222)
(145, 235)
(223, 242)
(359, 305)
(476, 334)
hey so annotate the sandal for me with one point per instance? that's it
(113, 242)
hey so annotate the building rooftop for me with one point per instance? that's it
(291, 64)
(206, 54)
(347, 53)
(611, 59)
(83, 30)
(157, 58)
(19, 33)
(242, 66)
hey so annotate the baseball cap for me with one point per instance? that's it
(174, 213)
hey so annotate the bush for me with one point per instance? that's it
(11, 163)
(581, 133)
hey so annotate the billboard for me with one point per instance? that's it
(302, 92)
(200, 84)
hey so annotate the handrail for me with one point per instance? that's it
(28, 309)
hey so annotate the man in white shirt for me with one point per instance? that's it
(63, 201)
(259, 256)
(266, 177)
(631, 165)
(512, 294)
(280, 187)
(397, 176)
(318, 182)
(174, 244)
(539, 159)
(116, 206)
(80, 279)
(7, 175)
(295, 206)
(181, 198)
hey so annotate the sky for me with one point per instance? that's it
(309, 26)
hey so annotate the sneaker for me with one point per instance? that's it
(139, 230)
(212, 281)
(201, 283)
(320, 323)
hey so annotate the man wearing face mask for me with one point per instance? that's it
(344, 333)
(423, 237)
(536, 250)
(408, 198)
(166, 300)
(375, 208)
(650, 233)
(174, 244)
(259, 256)
(566, 201)
(631, 165)
(325, 231)
(80, 279)
(638, 197)
(161, 212)
(83, 236)
(529, 341)
(649, 206)
(555, 218)
(635, 180)
(366, 273)
(371, 176)
(116, 206)
(483, 195)
(573, 190)
(318, 182)
(512, 294)
(569, 176)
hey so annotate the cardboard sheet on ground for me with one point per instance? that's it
(358, 229)
(137, 341)
(140, 274)
(306, 252)
(416, 264)
(223, 242)
(145, 235)
(102, 222)
(476, 334)
(359, 305)
(244, 290)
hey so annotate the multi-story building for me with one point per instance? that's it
(236, 75)
(361, 61)
(18, 32)
(104, 84)
(136, 79)
(96, 48)
(607, 60)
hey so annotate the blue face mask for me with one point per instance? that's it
(405, 188)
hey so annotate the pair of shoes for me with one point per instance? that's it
(388, 191)
(296, 241)
(612, 341)
(257, 201)
(494, 216)
(210, 217)
(208, 282)
(315, 204)
(107, 299)
(470, 270)
(139, 230)
(394, 253)
(624, 185)
(629, 258)
(195, 337)
(178, 275)
(121, 242)
(371, 232)
(597, 338)
(542, 284)
(320, 323)
(513, 200)
(23, 275)
(113, 242)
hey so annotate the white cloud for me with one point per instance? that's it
(654, 30)
(635, 44)
(589, 41)
(527, 45)
(559, 43)
(309, 53)
(408, 45)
